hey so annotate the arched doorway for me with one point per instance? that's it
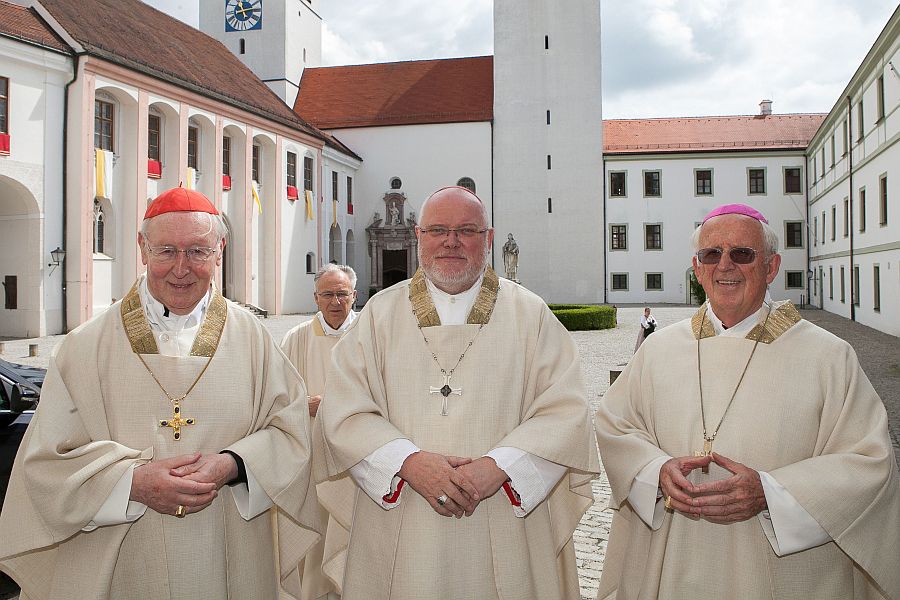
(21, 302)
(351, 250)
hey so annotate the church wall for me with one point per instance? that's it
(31, 187)
(548, 176)
(874, 152)
(425, 158)
(678, 209)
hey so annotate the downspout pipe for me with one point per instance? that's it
(65, 186)
(853, 290)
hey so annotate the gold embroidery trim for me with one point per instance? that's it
(426, 313)
(318, 330)
(144, 342)
(784, 315)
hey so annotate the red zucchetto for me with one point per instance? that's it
(180, 200)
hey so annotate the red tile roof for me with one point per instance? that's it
(452, 90)
(137, 36)
(704, 134)
(23, 23)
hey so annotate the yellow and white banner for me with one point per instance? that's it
(103, 173)
(309, 205)
(190, 180)
(254, 190)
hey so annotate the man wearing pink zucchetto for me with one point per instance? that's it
(747, 452)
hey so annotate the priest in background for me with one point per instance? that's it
(169, 452)
(308, 346)
(747, 452)
(456, 403)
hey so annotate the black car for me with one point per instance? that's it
(20, 389)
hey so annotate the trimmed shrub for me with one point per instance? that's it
(585, 317)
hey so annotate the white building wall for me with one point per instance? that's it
(425, 158)
(679, 210)
(547, 58)
(853, 240)
(31, 187)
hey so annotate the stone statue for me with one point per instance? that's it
(395, 215)
(376, 219)
(411, 219)
(511, 258)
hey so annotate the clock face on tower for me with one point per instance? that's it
(243, 15)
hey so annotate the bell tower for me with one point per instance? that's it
(276, 39)
(548, 144)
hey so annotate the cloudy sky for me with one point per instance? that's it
(661, 58)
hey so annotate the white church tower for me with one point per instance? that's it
(276, 39)
(548, 145)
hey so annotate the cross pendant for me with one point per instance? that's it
(707, 451)
(176, 422)
(445, 390)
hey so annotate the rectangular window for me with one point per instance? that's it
(822, 174)
(831, 283)
(193, 135)
(815, 231)
(620, 281)
(842, 284)
(11, 292)
(652, 183)
(823, 227)
(880, 96)
(882, 200)
(549, 205)
(4, 105)
(815, 173)
(226, 156)
(846, 217)
(548, 117)
(703, 182)
(793, 280)
(617, 184)
(349, 195)
(792, 183)
(833, 222)
(862, 209)
(654, 282)
(292, 169)
(334, 186)
(844, 138)
(832, 149)
(153, 137)
(860, 121)
(653, 236)
(307, 173)
(618, 236)
(793, 234)
(855, 290)
(757, 180)
(876, 291)
(254, 164)
(103, 125)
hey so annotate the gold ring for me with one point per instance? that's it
(668, 502)
(180, 511)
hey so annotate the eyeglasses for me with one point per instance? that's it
(329, 296)
(442, 232)
(739, 256)
(168, 254)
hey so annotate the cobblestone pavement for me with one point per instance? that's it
(602, 351)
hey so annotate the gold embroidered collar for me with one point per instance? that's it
(427, 314)
(141, 337)
(784, 315)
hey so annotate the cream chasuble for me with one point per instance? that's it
(805, 413)
(322, 570)
(100, 413)
(521, 387)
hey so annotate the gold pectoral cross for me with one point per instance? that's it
(707, 451)
(445, 391)
(176, 422)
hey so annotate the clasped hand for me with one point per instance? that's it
(189, 480)
(730, 500)
(463, 481)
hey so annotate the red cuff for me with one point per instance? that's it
(395, 495)
(511, 494)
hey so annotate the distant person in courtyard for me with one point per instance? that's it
(169, 451)
(456, 403)
(747, 452)
(647, 326)
(308, 346)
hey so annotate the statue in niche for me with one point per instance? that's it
(511, 258)
(395, 215)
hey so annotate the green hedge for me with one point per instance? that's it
(583, 317)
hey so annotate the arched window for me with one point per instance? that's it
(334, 244)
(311, 263)
(396, 183)
(99, 225)
(467, 182)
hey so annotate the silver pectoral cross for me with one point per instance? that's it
(445, 390)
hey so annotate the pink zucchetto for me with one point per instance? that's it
(736, 209)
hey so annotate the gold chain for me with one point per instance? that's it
(461, 356)
(169, 396)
